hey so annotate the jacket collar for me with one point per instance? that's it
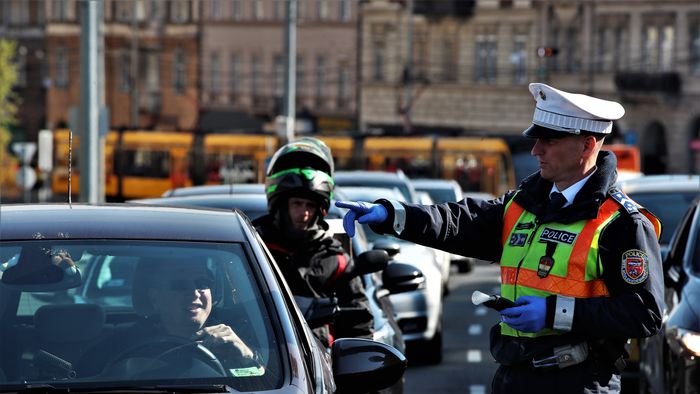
(534, 193)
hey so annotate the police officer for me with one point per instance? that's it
(580, 260)
(299, 188)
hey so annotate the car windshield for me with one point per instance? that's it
(668, 207)
(113, 313)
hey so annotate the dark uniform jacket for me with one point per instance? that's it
(312, 268)
(473, 228)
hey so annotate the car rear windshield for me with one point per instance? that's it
(116, 313)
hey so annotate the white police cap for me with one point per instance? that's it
(559, 113)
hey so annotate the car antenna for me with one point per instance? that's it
(70, 166)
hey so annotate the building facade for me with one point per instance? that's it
(243, 59)
(469, 74)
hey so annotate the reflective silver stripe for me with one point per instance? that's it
(399, 216)
(570, 124)
(564, 313)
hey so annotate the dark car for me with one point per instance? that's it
(670, 361)
(77, 341)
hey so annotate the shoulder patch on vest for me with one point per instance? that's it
(626, 202)
(635, 266)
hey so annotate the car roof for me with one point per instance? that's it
(361, 174)
(119, 221)
(233, 188)
(372, 193)
(434, 183)
(660, 184)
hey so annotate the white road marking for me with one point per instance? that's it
(480, 311)
(475, 329)
(473, 356)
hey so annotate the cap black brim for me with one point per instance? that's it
(537, 131)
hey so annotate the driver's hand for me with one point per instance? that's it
(63, 260)
(223, 341)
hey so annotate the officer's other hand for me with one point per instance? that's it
(528, 314)
(364, 212)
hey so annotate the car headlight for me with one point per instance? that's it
(690, 341)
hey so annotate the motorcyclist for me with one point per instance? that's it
(299, 187)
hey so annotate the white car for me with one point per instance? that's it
(419, 312)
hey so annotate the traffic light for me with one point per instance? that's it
(547, 51)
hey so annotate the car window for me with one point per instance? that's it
(668, 207)
(120, 293)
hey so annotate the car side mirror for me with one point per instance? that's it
(363, 365)
(391, 247)
(400, 278)
(370, 261)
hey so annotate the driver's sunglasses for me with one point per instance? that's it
(189, 284)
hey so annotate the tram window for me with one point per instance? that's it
(151, 164)
(224, 168)
(417, 167)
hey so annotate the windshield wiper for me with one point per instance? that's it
(158, 388)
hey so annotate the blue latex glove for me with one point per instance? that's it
(364, 212)
(528, 314)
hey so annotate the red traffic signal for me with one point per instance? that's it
(547, 51)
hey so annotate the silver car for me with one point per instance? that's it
(419, 312)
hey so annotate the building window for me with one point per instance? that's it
(320, 81)
(21, 66)
(571, 55)
(124, 71)
(179, 11)
(668, 37)
(59, 10)
(378, 61)
(179, 71)
(449, 59)
(278, 10)
(19, 12)
(62, 71)
(235, 74)
(236, 10)
(258, 11)
(215, 10)
(486, 56)
(123, 11)
(518, 60)
(694, 46)
(255, 75)
(420, 55)
(620, 57)
(650, 49)
(278, 73)
(606, 42)
(155, 10)
(344, 10)
(215, 83)
(322, 9)
(301, 74)
(343, 87)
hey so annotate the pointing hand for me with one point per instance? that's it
(364, 212)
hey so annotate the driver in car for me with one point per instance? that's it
(175, 298)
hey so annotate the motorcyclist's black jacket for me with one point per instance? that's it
(473, 227)
(313, 266)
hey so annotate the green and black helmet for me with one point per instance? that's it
(305, 152)
(306, 182)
